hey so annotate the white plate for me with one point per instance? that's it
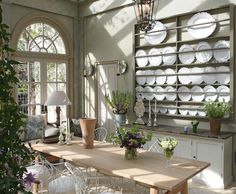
(162, 110)
(171, 110)
(139, 91)
(183, 110)
(192, 112)
(150, 79)
(141, 80)
(148, 93)
(184, 93)
(223, 92)
(209, 78)
(156, 37)
(196, 79)
(203, 56)
(159, 93)
(201, 113)
(169, 56)
(222, 78)
(221, 55)
(210, 93)
(143, 61)
(184, 79)
(204, 30)
(171, 78)
(155, 60)
(160, 77)
(170, 93)
(197, 94)
(186, 58)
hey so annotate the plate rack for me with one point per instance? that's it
(178, 35)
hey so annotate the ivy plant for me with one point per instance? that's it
(14, 155)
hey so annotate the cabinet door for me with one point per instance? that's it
(211, 152)
(184, 147)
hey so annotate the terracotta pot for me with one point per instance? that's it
(87, 128)
(215, 124)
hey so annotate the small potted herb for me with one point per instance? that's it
(216, 111)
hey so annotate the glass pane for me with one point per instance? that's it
(23, 72)
(50, 88)
(23, 94)
(51, 72)
(24, 41)
(52, 49)
(61, 87)
(61, 72)
(49, 31)
(35, 29)
(35, 71)
(60, 45)
(34, 109)
(33, 47)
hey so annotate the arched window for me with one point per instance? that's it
(41, 49)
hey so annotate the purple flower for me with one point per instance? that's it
(29, 179)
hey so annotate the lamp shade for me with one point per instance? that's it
(58, 98)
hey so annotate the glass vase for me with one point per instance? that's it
(131, 154)
(168, 155)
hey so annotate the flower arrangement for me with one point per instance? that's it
(131, 139)
(217, 109)
(194, 125)
(168, 145)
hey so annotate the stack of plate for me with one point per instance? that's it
(171, 76)
(141, 59)
(220, 54)
(206, 54)
(154, 60)
(160, 77)
(148, 93)
(197, 93)
(211, 77)
(223, 92)
(184, 75)
(186, 54)
(169, 56)
(150, 79)
(210, 93)
(222, 76)
(196, 79)
(159, 93)
(184, 93)
(140, 77)
(170, 93)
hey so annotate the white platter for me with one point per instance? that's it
(159, 93)
(221, 55)
(139, 91)
(184, 93)
(203, 56)
(197, 94)
(156, 37)
(223, 92)
(184, 79)
(223, 78)
(170, 93)
(148, 93)
(209, 78)
(204, 30)
(186, 58)
(172, 110)
(210, 93)
(150, 79)
(143, 61)
(162, 110)
(196, 79)
(193, 112)
(170, 76)
(160, 77)
(201, 113)
(155, 60)
(183, 110)
(141, 80)
(169, 56)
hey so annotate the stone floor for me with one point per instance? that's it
(195, 188)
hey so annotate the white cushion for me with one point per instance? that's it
(62, 184)
(51, 131)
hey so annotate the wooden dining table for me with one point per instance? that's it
(149, 168)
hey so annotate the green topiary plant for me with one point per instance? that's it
(119, 102)
(14, 155)
(217, 109)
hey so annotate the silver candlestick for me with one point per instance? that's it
(150, 115)
(155, 115)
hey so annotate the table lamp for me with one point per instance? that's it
(58, 98)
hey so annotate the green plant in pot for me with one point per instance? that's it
(119, 104)
(216, 111)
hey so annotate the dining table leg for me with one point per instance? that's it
(183, 189)
(154, 190)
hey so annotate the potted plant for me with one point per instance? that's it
(14, 155)
(119, 104)
(216, 111)
(194, 124)
(131, 140)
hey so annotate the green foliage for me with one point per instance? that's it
(217, 109)
(119, 102)
(13, 154)
(130, 138)
(194, 122)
